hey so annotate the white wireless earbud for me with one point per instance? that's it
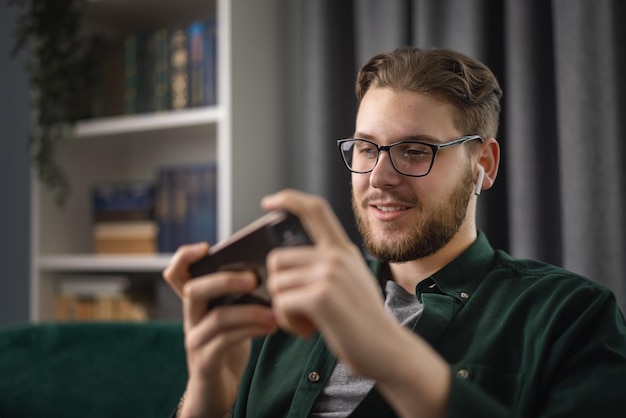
(479, 180)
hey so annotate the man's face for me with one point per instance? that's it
(405, 218)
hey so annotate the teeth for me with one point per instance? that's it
(389, 208)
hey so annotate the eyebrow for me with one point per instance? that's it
(420, 138)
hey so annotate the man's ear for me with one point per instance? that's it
(488, 164)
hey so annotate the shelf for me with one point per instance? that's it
(115, 17)
(135, 147)
(131, 124)
(104, 263)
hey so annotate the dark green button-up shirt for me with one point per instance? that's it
(523, 339)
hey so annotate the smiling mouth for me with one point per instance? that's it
(391, 208)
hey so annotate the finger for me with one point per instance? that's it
(230, 324)
(281, 258)
(214, 351)
(314, 212)
(293, 312)
(198, 292)
(297, 287)
(176, 274)
(301, 265)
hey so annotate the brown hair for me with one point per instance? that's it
(445, 74)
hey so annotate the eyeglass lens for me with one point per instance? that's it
(409, 158)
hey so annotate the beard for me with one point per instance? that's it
(430, 232)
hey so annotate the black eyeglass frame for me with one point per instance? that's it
(387, 148)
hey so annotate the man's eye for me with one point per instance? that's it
(416, 151)
(367, 151)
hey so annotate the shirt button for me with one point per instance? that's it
(314, 377)
(464, 295)
(462, 374)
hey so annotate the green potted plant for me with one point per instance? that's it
(61, 64)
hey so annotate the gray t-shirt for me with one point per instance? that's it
(344, 390)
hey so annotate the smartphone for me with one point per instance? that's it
(247, 249)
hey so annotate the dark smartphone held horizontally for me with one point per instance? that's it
(247, 250)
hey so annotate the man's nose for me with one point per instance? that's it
(384, 173)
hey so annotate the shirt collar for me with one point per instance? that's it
(461, 276)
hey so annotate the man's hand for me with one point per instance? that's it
(328, 287)
(218, 342)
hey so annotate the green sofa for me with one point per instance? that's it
(91, 370)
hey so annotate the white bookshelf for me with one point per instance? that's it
(104, 263)
(149, 122)
(244, 122)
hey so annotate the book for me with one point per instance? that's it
(125, 237)
(96, 298)
(145, 69)
(202, 224)
(111, 87)
(163, 210)
(80, 308)
(203, 63)
(210, 62)
(187, 205)
(123, 218)
(131, 74)
(123, 201)
(124, 230)
(180, 206)
(160, 74)
(137, 73)
(93, 285)
(170, 68)
(197, 69)
(126, 246)
(179, 68)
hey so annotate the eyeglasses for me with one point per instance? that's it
(411, 158)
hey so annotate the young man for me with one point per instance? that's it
(441, 325)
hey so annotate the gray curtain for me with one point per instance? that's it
(560, 195)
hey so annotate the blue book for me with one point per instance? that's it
(210, 62)
(123, 201)
(203, 204)
(196, 36)
(164, 211)
(186, 205)
(180, 206)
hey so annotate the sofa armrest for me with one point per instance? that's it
(91, 369)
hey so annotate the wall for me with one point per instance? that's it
(14, 179)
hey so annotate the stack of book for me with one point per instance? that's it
(186, 205)
(124, 218)
(96, 298)
(170, 68)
